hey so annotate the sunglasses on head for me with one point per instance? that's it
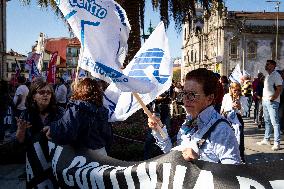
(42, 92)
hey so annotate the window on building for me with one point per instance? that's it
(252, 50)
(234, 49)
(69, 50)
(184, 33)
(45, 66)
(74, 52)
(195, 56)
(191, 56)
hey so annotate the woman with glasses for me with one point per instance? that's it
(41, 111)
(234, 105)
(204, 135)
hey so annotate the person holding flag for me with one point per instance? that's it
(204, 135)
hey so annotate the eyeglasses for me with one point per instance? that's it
(42, 92)
(191, 96)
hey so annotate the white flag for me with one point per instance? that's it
(151, 63)
(236, 75)
(103, 29)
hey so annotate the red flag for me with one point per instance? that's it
(52, 68)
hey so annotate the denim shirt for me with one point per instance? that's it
(220, 146)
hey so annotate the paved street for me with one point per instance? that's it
(254, 154)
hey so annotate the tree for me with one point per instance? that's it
(179, 10)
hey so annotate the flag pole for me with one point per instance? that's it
(149, 114)
(78, 66)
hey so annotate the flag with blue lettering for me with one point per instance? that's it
(103, 29)
(152, 64)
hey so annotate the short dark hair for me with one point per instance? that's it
(21, 79)
(271, 62)
(206, 78)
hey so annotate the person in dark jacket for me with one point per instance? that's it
(41, 111)
(85, 122)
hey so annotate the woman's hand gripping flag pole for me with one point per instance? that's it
(149, 114)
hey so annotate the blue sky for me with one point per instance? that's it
(24, 23)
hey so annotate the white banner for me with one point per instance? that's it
(103, 29)
(152, 63)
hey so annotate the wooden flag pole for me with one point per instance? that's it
(149, 114)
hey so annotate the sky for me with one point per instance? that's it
(24, 23)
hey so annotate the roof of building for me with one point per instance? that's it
(60, 45)
(257, 15)
(14, 53)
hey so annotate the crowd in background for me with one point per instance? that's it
(39, 103)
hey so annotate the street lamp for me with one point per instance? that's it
(277, 25)
(150, 31)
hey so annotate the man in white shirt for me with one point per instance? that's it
(61, 92)
(271, 100)
(20, 96)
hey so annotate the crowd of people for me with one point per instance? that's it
(212, 106)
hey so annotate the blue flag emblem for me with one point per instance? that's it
(152, 57)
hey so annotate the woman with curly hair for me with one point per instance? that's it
(85, 122)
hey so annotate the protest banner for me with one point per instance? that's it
(84, 169)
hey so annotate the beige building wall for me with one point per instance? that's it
(210, 38)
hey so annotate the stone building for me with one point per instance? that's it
(221, 39)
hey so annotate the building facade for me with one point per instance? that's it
(68, 54)
(222, 39)
(10, 66)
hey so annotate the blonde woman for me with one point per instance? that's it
(234, 105)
